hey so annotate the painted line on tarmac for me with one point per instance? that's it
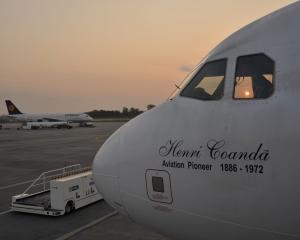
(7, 211)
(15, 184)
(84, 227)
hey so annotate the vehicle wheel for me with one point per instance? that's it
(68, 207)
(47, 205)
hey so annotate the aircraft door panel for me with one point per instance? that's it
(158, 184)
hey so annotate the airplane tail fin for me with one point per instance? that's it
(11, 108)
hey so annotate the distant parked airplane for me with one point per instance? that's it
(15, 113)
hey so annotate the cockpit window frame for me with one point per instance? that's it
(195, 74)
(273, 77)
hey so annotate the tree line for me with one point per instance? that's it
(125, 113)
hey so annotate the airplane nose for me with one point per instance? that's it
(106, 171)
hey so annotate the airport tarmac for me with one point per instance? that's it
(25, 154)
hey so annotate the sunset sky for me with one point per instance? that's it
(73, 56)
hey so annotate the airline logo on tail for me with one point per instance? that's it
(11, 108)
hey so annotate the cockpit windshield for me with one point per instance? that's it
(185, 81)
(208, 82)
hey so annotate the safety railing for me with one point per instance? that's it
(42, 183)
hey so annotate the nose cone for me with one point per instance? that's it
(106, 170)
(87, 117)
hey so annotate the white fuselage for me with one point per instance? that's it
(222, 169)
(76, 118)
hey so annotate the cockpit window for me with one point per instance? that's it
(208, 83)
(254, 77)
